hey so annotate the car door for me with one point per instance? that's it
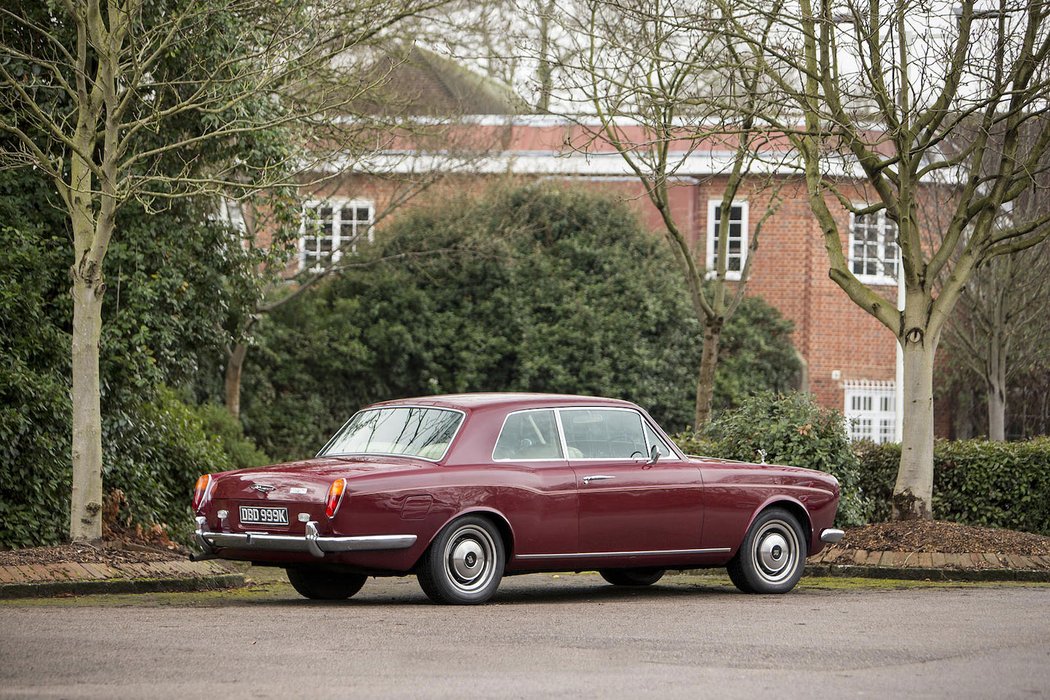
(543, 500)
(626, 502)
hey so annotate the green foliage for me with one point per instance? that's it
(157, 451)
(175, 282)
(35, 469)
(755, 355)
(791, 429)
(240, 451)
(977, 482)
(535, 288)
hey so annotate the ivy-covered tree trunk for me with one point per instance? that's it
(705, 387)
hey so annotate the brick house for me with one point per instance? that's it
(848, 356)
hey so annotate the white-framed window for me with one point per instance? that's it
(871, 410)
(736, 253)
(332, 227)
(873, 251)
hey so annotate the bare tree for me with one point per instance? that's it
(121, 99)
(520, 43)
(660, 85)
(937, 107)
(999, 332)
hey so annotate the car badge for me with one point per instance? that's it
(263, 488)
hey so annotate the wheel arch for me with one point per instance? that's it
(792, 506)
(497, 518)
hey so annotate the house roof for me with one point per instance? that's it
(417, 82)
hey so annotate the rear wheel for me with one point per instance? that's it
(632, 577)
(772, 555)
(464, 564)
(318, 584)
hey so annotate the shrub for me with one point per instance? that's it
(791, 429)
(977, 482)
(156, 452)
(240, 450)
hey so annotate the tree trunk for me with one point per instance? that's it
(705, 385)
(85, 512)
(234, 366)
(913, 492)
(995, 375)
(545, 69)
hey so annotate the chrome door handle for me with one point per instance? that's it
(597, 477)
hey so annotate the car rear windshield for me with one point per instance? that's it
(410, 431)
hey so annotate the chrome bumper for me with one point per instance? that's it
(831, 535)
(312, 542)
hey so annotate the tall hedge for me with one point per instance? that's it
(992, 484)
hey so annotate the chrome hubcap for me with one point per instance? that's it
(469, 557)
(776, 551)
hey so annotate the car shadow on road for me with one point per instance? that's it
(514, 593)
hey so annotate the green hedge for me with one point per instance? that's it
(992, 484)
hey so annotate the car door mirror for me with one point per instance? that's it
(654, 455)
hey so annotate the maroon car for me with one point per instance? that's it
(463, 490)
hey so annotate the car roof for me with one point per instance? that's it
(511, 400)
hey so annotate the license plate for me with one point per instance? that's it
(264, 516)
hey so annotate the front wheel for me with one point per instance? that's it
(772, 555)
(464, 564)
(325, 585)
(632, 577)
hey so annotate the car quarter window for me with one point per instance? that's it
(603, 433)
(529, 435)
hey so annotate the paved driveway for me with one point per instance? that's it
(570, 636)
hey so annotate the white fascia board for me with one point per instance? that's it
(588, 164)
(545, 163)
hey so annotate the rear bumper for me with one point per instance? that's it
(312, 542)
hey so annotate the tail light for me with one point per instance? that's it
(200, 490)
(335, 497)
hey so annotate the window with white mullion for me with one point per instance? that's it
(330, 228)
(871, 410)
(736, 245)
(873, 248)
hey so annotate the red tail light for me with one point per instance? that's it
(335, 497)
(200, 490)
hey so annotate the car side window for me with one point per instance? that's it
(661, 446)
(597, 433)
(529, 435)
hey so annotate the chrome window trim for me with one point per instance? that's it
(451, 440)
(657, 432)
(646, 553)
(557, 428)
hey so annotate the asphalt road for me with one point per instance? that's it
(542, 637)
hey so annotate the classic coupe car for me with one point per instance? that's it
(463, 490)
